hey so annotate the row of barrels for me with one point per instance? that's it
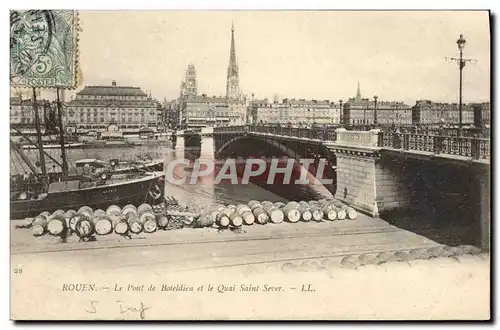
(85, 222)
(268, 212)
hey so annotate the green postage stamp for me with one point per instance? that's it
(43, 48)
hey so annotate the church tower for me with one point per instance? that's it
(232, 86)
(358, 93)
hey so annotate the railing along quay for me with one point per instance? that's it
(473, 147)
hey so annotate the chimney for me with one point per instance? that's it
(113, 83)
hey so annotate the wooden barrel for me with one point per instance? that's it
(350, 213)
(317, 214)
(267, 204)
(39, 225)
(69, 213)
(67, 216)
(84, 227)
(87, 210)
(205, 220)
(279, 205)
(213, 214)
(129, 208)
(99, 213)
(275, 214)
(134, 223)
(303, 204)
(313, 203)
(306, 214)
(341, 213)
(241, 208)
(291, 211)
(148, 220)
(236, 219)
(254, 204)
(329, 213)
(45, 213)
(144, 208)
(261, 216)
(120, 224)
(57, 225)
(75, 218)
(231, 207)
(113, 209)
(58, 212)
(248, 218)
(162, 222)
(102, 224)
(222, 220)
(219, 207)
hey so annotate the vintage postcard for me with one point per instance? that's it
(250, 165)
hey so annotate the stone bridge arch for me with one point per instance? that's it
(292, 149)
(272, 142)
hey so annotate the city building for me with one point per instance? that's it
(205, 111)
(361, 111)
(294, 112)
(427, 112)
(22, 111)
(96, 107)
(171, 113)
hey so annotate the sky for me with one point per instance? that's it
(399, 56)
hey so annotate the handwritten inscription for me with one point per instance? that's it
(130, 309)
(123, 308)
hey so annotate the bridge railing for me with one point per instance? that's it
(476, 148)
(316, 133)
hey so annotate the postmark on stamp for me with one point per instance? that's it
(43, 48)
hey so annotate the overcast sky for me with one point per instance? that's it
(303, 54)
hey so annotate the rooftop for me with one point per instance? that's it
(112, 90)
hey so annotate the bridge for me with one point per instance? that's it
(382, 172)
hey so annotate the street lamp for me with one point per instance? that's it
(461, 64)
(375, 112)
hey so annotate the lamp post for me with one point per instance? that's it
(341, 114)
(461, 64)
(375, 111)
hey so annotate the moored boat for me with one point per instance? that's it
(97, 187)
(73, 194)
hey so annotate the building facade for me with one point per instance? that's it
(361, 111)
(426, 112)
(96, 107)
(294, 112)
(205, 111)
(22, 111)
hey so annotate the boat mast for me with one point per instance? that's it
(39, 136)
(23, 156)
(61, 136)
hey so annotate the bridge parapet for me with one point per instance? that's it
(470, 147)
(362, 138)
(476, 148)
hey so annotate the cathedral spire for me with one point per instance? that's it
(232, 86)
(358, 93)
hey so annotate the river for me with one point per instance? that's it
(203, 193)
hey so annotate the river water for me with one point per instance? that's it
(201, 194)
